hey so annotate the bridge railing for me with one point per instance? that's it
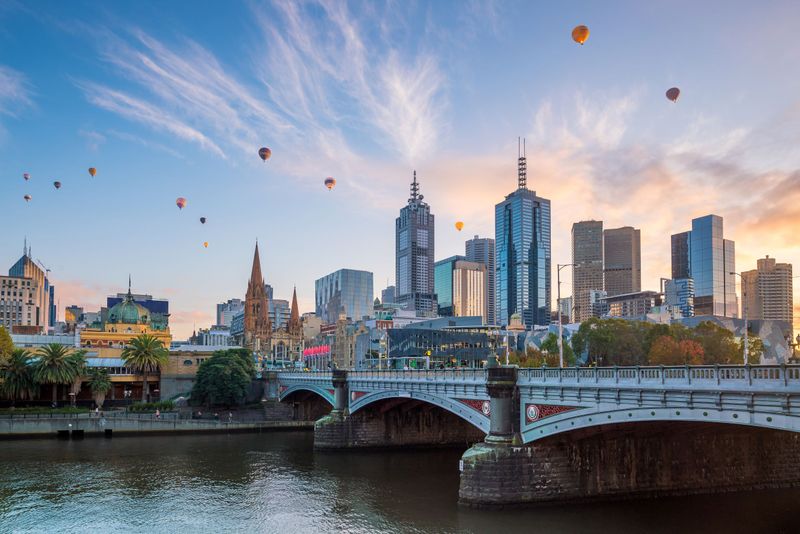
(716, 376)
(307, 375)
(433, 375)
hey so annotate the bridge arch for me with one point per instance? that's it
(324, 393)
(462, 411)
(589, 418)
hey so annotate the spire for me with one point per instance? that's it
(522, 165)
(414, 189)
(294, 326)
(255, 275)
(25, 247)
(129, 296)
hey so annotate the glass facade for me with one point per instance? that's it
(703, 255)
(443, 284)
(443, 347)
(345, 291)
(522, 261)
(481, 250)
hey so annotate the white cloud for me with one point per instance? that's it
(15, 92)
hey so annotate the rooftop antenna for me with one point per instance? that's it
(522, 165)
(414, 189)
(25, 247)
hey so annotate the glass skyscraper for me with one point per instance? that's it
(481, 250)
(345, 291)
(703, 255)
(522, 258)
(414, 249)
(443, 283)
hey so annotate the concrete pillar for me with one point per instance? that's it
(501, 384)
(271, 385)
(341, 395)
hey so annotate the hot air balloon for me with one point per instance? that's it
(26, 176)
(180, 202)
(673, 93)
(57, 185)
(330, 183)
(264, 153)
(580, 34)
(459, 225)
(92, 171)
(202, 220)
(27, 198)
(205, 244)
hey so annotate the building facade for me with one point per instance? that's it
(679, 294)
(481, 250)
(705, 256)
(522, 254)
(469, 290)
(158, 308)
(19, 310)
(389, 295)
(256, 325)
(767, 291)
(346, 291)
(443, 284)
(587, 269)
(226, 311)
(632, 305)
(414, 253)
(40, 299)
(622, 260)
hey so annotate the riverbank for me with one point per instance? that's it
(73, 426)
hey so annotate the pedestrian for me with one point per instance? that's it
(158, 413)
(97, 411)
(230, 416)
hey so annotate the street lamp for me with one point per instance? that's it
(558, 311)
(744, 312)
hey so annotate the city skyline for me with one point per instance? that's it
(603, 146)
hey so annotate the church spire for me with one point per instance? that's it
(257, 327)
(255, 275)
(294, 327)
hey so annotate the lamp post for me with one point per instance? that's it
(558, 311)
(744, 312)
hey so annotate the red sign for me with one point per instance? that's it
(322, 350)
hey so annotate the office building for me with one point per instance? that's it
(632, 305)
(414, 252)
(279, 313)
(443, 284)
(565, 309)
(40, 300)
(19, 310)
(767, 291)
(587, 269)
(226, 311)
(679, 294)
(705, 256)
(522, 254)
(622, 260)
(481, 250)
(73, 314)
(388, 295)
(346, 291)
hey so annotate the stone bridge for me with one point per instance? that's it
(550, 434)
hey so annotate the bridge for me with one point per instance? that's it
(567, 433)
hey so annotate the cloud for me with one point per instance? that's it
(124, 136)
(93, 139)
(15, 92)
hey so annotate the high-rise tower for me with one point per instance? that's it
(481, 250)
(522, 259)
(414, 240)
(257, 327)
(587, 266)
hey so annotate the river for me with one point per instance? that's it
(275, 482)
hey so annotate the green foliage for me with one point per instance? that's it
(43, 410)
(6, 345)
(99, 382)
(550, 347)
(224, 378)
(146, 354)
(16, 376)
(719, 344)
(146, 407)
(58, 364)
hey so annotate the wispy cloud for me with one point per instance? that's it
(124, 136)
(15, 92)
(93, 139)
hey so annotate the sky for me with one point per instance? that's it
(170, 99)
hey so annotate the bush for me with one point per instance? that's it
(145, 407)
(43, 410)
(224, 378)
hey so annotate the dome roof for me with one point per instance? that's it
(128, 312)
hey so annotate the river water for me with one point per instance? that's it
(275, 482)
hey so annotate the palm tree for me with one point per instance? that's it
(57, 365)
(146, 354)
(16, 374)
(78, 360)
(100, 384)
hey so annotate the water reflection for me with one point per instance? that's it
(276, 483)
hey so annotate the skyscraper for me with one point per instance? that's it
(587, 269)
(679, 293)
(522, 261)
(469, 289)
(388, 295)
(703, 255)
(481, 250)
(767, 291)
(226, 311)
(414, 240)
(443, 284)
(345, 291)
(25, 267)
(622, 258)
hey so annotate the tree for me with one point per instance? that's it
(755, 350)
(78, 360)
(100, 384)
(224, 378)
(665, 350)
(56, 365)
(719, 345)
(6, 345)
(16, 376)
(550, 346)
(146, 354)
